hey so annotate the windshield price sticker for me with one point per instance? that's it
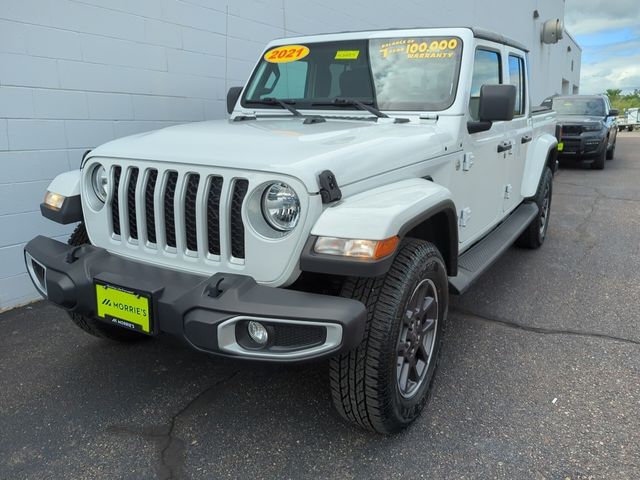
(416, 49)
(286, 54)
(347, 54)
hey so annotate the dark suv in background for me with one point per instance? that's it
(589, 128)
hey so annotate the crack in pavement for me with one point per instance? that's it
(608, 197)
(542, 330)
(171, 456)
(171, 448)
(582, 228)
(597, 192)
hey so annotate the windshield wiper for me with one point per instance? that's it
(276, 101)
(287, 105)
(341, 101)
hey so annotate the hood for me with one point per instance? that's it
(351, 149)
(577, 119)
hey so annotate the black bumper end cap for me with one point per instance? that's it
(70, 212)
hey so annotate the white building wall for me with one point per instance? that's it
(77, 73)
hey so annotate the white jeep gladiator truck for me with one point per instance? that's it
(360, 178)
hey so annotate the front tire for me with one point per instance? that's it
(383, 384)
(598, 163)
(611, 153)
(90, 325)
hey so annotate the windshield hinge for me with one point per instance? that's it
(242, 118)
(329, 190)
(313, 119)
(431, 117)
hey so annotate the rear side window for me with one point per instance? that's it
(486, 71)
(517, 78)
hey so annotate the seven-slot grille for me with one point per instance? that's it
(181, 213)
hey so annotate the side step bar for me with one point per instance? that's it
(475, 261)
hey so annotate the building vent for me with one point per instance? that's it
(552, 31)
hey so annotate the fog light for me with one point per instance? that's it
(258, 333)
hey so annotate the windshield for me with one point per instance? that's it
(403, 74)
(579, 106)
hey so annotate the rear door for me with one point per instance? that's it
(518, 132)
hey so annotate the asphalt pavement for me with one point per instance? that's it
(539, 378)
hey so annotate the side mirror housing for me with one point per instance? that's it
(497, 103)
(232, 98)
(614, 112)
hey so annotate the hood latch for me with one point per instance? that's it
(329, 190)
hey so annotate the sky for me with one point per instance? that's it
(609, 33)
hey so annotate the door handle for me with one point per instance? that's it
(504, 147)
(526, 139)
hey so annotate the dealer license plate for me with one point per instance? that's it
(123, 307)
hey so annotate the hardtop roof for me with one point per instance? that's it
(479, 33)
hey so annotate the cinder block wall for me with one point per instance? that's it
(77, 73)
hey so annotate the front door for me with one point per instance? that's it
(479, 179)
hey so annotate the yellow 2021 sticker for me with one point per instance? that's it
(286, 54)
(347, 54)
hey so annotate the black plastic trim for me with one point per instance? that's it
(497, 38)
(504, 147)
(497, 103)
(310, 261)
(183, 303)
(477, 127)
(475, 261)
(449, 209)
(71, 211)
(232, 98)
(329, 189)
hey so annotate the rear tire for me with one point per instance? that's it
(536, 233)
(383, 384)
(92, 326)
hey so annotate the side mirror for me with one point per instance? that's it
(232, 98)
(497, 103)
(614, 112)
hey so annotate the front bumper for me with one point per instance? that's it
(582, 147)
(207, 312)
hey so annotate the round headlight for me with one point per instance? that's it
(281, 207)
(100, 182)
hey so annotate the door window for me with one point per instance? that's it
(486, 71)
(516, 77)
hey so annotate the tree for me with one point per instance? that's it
(623, 102)
(613, 93)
